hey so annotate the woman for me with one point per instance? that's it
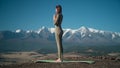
(58, 31)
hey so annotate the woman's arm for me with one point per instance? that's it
(56, 18)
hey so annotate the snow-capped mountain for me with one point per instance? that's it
(82, 35)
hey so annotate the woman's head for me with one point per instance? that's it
(58, 9)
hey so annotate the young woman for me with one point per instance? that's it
(58, 31)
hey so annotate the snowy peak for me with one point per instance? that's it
(52, 30)
(93, 30)
(83, 29)
(44, 28)
(86, 29)
(90, 34)
(80, 35)
(18, 31)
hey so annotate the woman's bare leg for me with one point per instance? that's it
(60, 47)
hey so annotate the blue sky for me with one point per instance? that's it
(33, 14)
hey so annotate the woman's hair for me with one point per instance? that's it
(59, 6)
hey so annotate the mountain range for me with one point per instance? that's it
(81, 35)
(45, 37)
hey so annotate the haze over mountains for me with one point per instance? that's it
(44, 37)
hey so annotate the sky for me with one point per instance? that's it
(33, 14)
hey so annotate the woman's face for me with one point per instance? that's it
(57, 10)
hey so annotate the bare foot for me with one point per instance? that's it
(58, 60)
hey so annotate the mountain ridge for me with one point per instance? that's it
(80, 35)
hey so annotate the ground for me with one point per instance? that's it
(26, 60)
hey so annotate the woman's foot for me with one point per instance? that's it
(58, 60)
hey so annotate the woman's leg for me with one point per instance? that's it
(59, 46)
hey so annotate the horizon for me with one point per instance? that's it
(62, 28)
(32, 15)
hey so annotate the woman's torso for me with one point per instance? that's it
(58, 27)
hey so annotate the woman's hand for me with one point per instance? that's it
(55, 18)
